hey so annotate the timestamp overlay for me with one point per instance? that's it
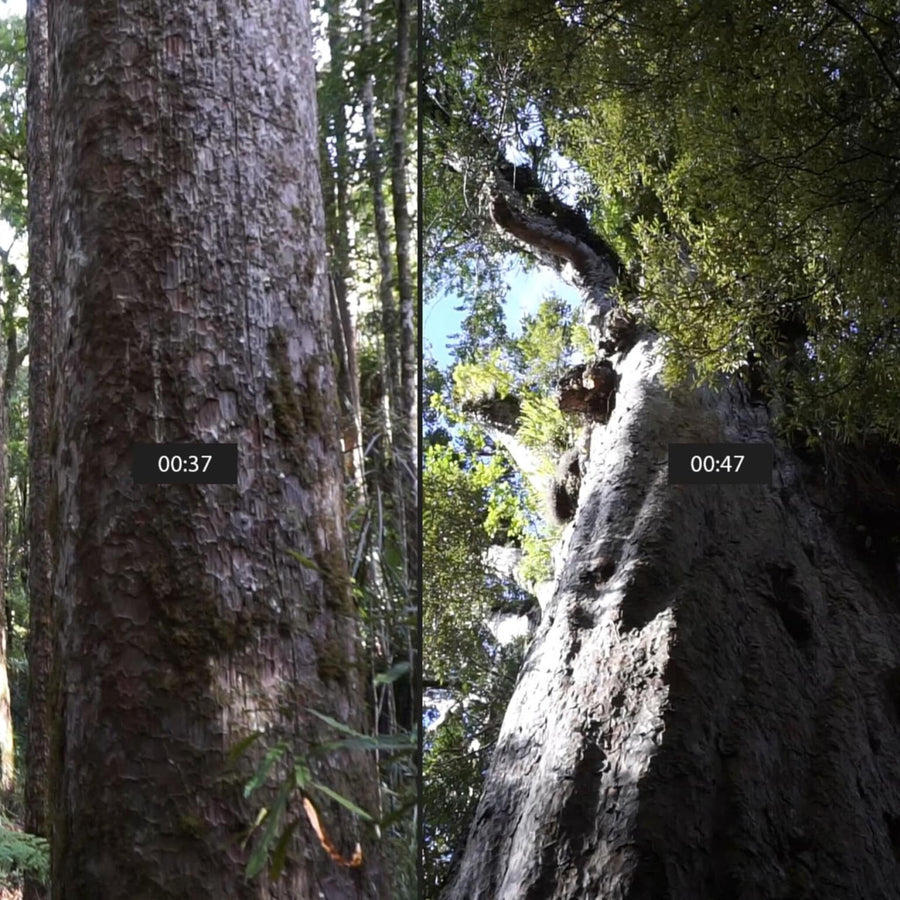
(185, 463)
(721, 463)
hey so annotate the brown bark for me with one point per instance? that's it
(193, 305)
(40, 638)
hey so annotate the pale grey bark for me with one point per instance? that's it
(192, 301)
(710, 706)
(408, 412)
(336, 97)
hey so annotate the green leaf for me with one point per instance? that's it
(396, 671)
(302, 774)
(305, 561)
(257, 860)
(279, 855)
(273, 754)
(339, 726)
(347, 804)
(243, 745)
(398, 742)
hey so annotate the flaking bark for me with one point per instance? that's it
(193, 305)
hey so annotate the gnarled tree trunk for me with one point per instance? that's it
(710, 707)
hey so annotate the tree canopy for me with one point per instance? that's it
(740, 158)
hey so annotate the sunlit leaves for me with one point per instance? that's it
(745, 159)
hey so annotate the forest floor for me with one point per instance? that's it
(10, 893)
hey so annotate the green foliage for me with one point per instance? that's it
(459, 588)
(457, 753)
(536, 565)
(294, 776)
(743, 159)
(542, 425)
(528, 367)
(23, 854)
(453, 773)
(488, 377)
(12, 124)
(545, 346)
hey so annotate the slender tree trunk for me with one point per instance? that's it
(382, 229)
(336, 181)
(7, 750)
(408, 413)
(391, 371)
(40, 638)
(193, 305)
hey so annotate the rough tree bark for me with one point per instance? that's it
(710, 707)
(40, 638)
(192, 304)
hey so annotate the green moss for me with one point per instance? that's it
(314, 412)
(332, 662)
(289, 419)
(193, 826)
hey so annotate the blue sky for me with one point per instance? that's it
(527, 287)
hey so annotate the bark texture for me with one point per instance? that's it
(711, 706)
(192, 297)
(40, 637)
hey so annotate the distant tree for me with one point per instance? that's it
(364, 80)
(12, 211)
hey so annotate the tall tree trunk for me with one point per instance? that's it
(395, 419)
(13, 358)
(40, 637)
(336, 182)
(408, 417)
(382, 229)
(710, 707)
(193, 305)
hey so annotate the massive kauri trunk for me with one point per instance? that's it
(710, 707)
(193, 306)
